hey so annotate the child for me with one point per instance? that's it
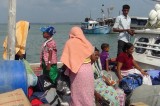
(105, 58)
(48, 57)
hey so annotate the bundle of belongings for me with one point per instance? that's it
(42, 90)
(154, 18)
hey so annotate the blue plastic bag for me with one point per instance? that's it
(130, 82)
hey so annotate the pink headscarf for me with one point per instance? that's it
(76, 50)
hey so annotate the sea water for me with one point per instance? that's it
(35, 40)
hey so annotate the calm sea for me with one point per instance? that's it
(35, 39)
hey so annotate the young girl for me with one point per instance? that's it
(48, 57)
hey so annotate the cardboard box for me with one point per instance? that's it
(14, 98)
(139, 104)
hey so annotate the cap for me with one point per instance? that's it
(50, 29)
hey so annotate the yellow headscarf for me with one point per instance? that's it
(22, 28)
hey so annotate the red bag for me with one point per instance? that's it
(36, 102)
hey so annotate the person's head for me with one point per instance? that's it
(125, 9)
(48, 31)
(105, 47)
(128, 48)
(95, 55)
(76, 32)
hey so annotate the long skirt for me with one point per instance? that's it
(107, 92)
(82, 86)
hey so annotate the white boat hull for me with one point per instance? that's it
(147, 48)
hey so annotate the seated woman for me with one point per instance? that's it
(101, 83)
(127, 65)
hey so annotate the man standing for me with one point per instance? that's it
(122, 25)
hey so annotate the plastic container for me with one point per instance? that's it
(12, 76)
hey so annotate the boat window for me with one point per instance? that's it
(141, 50)
(133, 21)
(142, 22)
(155, 52)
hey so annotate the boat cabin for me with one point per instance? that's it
(89, 25)
(138, 22)
(147, 48)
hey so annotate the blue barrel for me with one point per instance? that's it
(12, 76)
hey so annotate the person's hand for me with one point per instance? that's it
(120, 79)
(41, 65)
(144, 73)
(98, 97)
(48, 66)
(131, 31)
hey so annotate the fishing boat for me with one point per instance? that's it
(93, 27)
(98, 26)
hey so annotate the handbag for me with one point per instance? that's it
(44, 83)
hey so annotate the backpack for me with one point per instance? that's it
(44, 83)
(130, 82)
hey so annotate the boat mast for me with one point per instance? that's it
(11, 30)
(103, 16)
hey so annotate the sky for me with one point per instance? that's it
(55, 11)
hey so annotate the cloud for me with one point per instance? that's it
(71, 10)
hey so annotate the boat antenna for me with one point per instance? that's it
(90, 14)
(103, 16)
(11, 30)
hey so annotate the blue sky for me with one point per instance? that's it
(51, 11)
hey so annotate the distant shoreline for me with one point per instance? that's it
(71, 23)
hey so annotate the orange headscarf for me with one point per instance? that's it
(76, 50)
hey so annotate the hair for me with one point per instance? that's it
(104, 45)
(127, 46)
(126, 6)
(95, 49)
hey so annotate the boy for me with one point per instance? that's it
(105, 58)
(48, 56)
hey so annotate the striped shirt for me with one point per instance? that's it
(45, 48)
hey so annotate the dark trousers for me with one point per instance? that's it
(17, 57)
(120, 46)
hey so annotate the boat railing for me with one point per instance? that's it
(147, 44)
(147, 48)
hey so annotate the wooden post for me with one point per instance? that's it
(11, 30)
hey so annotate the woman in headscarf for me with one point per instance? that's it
(76, 57)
